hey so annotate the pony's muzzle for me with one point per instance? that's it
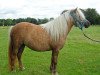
(87, 24)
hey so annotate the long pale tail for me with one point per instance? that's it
(10, 53)
(11, 56)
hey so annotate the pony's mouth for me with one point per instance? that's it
(87, 24)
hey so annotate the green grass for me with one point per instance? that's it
(79, 56)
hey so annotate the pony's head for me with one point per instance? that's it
(79, 18)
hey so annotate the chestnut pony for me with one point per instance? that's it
(46, 37)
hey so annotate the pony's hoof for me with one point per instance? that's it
(23, 68)
(13, 71)
(56, 73)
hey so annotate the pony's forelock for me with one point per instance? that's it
(80, 13)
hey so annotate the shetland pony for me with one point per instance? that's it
(46, 37)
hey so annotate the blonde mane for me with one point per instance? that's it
(58, 27)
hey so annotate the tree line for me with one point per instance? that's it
(91, 14)
(11, 22)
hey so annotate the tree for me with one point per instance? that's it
(1, 22)
(8, 22)
(92, 15)
(33, 20)
(42, 21)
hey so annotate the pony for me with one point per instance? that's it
(50, 36)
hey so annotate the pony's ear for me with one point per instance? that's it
(75, 9)
(64, 11)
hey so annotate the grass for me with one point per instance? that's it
(79, 56)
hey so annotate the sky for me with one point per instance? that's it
(42, 8)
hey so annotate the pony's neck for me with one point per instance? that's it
(69, 20)
(70, 23)
(59, 27)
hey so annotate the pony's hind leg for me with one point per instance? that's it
(19, 54)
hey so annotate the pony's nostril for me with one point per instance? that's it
(88, 23)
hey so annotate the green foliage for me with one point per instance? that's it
(92, 15)
(79, 55)
(2, 22)
(42, 21)
(28, 19)
(9, 22)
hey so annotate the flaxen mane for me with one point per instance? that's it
(57, 27)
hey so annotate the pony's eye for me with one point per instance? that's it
(80, 17)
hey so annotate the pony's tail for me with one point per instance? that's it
(11, 52)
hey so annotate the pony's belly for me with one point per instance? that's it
(38, 46)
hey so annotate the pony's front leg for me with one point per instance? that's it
(54, 62)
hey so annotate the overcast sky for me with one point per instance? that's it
(42, 8)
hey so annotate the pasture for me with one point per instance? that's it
(79, 55)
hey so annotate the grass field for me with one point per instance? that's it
(79, 56)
